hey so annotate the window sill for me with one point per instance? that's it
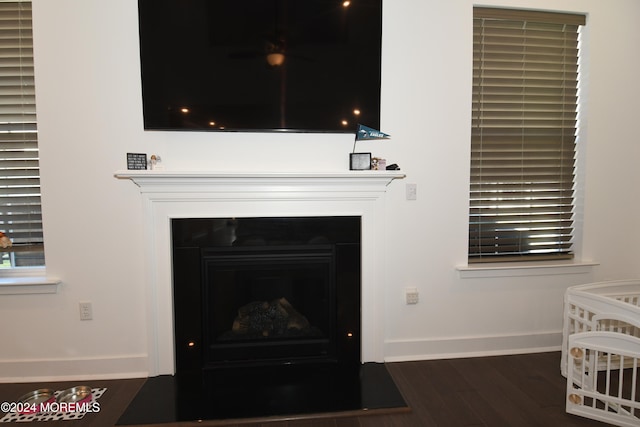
(15, 282)
(522, 269)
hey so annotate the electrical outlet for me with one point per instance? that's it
(411, 295)
(412, 191)
(86, 310)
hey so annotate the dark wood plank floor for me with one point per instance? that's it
(519, 391)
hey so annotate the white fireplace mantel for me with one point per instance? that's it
(160, 181)
(203, 194)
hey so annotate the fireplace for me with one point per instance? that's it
(256, 292)
(316, 378)
(168, 195)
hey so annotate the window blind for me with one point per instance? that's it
(20, 213)
(523, 136)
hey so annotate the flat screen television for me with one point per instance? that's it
(260, 65)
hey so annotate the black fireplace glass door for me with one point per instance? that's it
(268, 304)
(260, 292)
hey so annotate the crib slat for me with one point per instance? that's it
(608, 381)
(634, 379)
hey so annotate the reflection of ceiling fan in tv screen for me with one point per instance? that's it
(260, 65)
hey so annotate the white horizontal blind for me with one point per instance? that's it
(20, 213)
(524, 107)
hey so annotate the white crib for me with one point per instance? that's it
(601, 351)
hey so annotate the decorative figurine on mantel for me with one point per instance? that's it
(378, 164)
(155, 163)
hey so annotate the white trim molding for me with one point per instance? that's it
(173, 194)
(74, 369)
(472, 346)
(24, 285)
(524, 269)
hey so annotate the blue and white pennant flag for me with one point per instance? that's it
(365, 132)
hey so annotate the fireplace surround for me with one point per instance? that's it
(309, 383)
(168, 195)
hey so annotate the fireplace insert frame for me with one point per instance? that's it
(332, 240)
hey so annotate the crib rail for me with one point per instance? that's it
(602, 377)
(608, 306)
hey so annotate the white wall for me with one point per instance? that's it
(89, 112)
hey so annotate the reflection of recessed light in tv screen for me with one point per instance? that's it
(260, 65)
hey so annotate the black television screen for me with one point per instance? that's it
(260, 65)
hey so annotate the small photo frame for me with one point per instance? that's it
(137, 161)
(359, 161)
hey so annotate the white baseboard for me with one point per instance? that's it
(136, 366)
(74, 369)
(474, 346)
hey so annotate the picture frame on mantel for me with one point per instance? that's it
(359, 161)
(136, 161)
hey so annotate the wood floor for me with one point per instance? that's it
(509, 391)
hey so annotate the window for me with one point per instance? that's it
(523, 136)
(20, 213)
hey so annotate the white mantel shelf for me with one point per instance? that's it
(147, 179)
